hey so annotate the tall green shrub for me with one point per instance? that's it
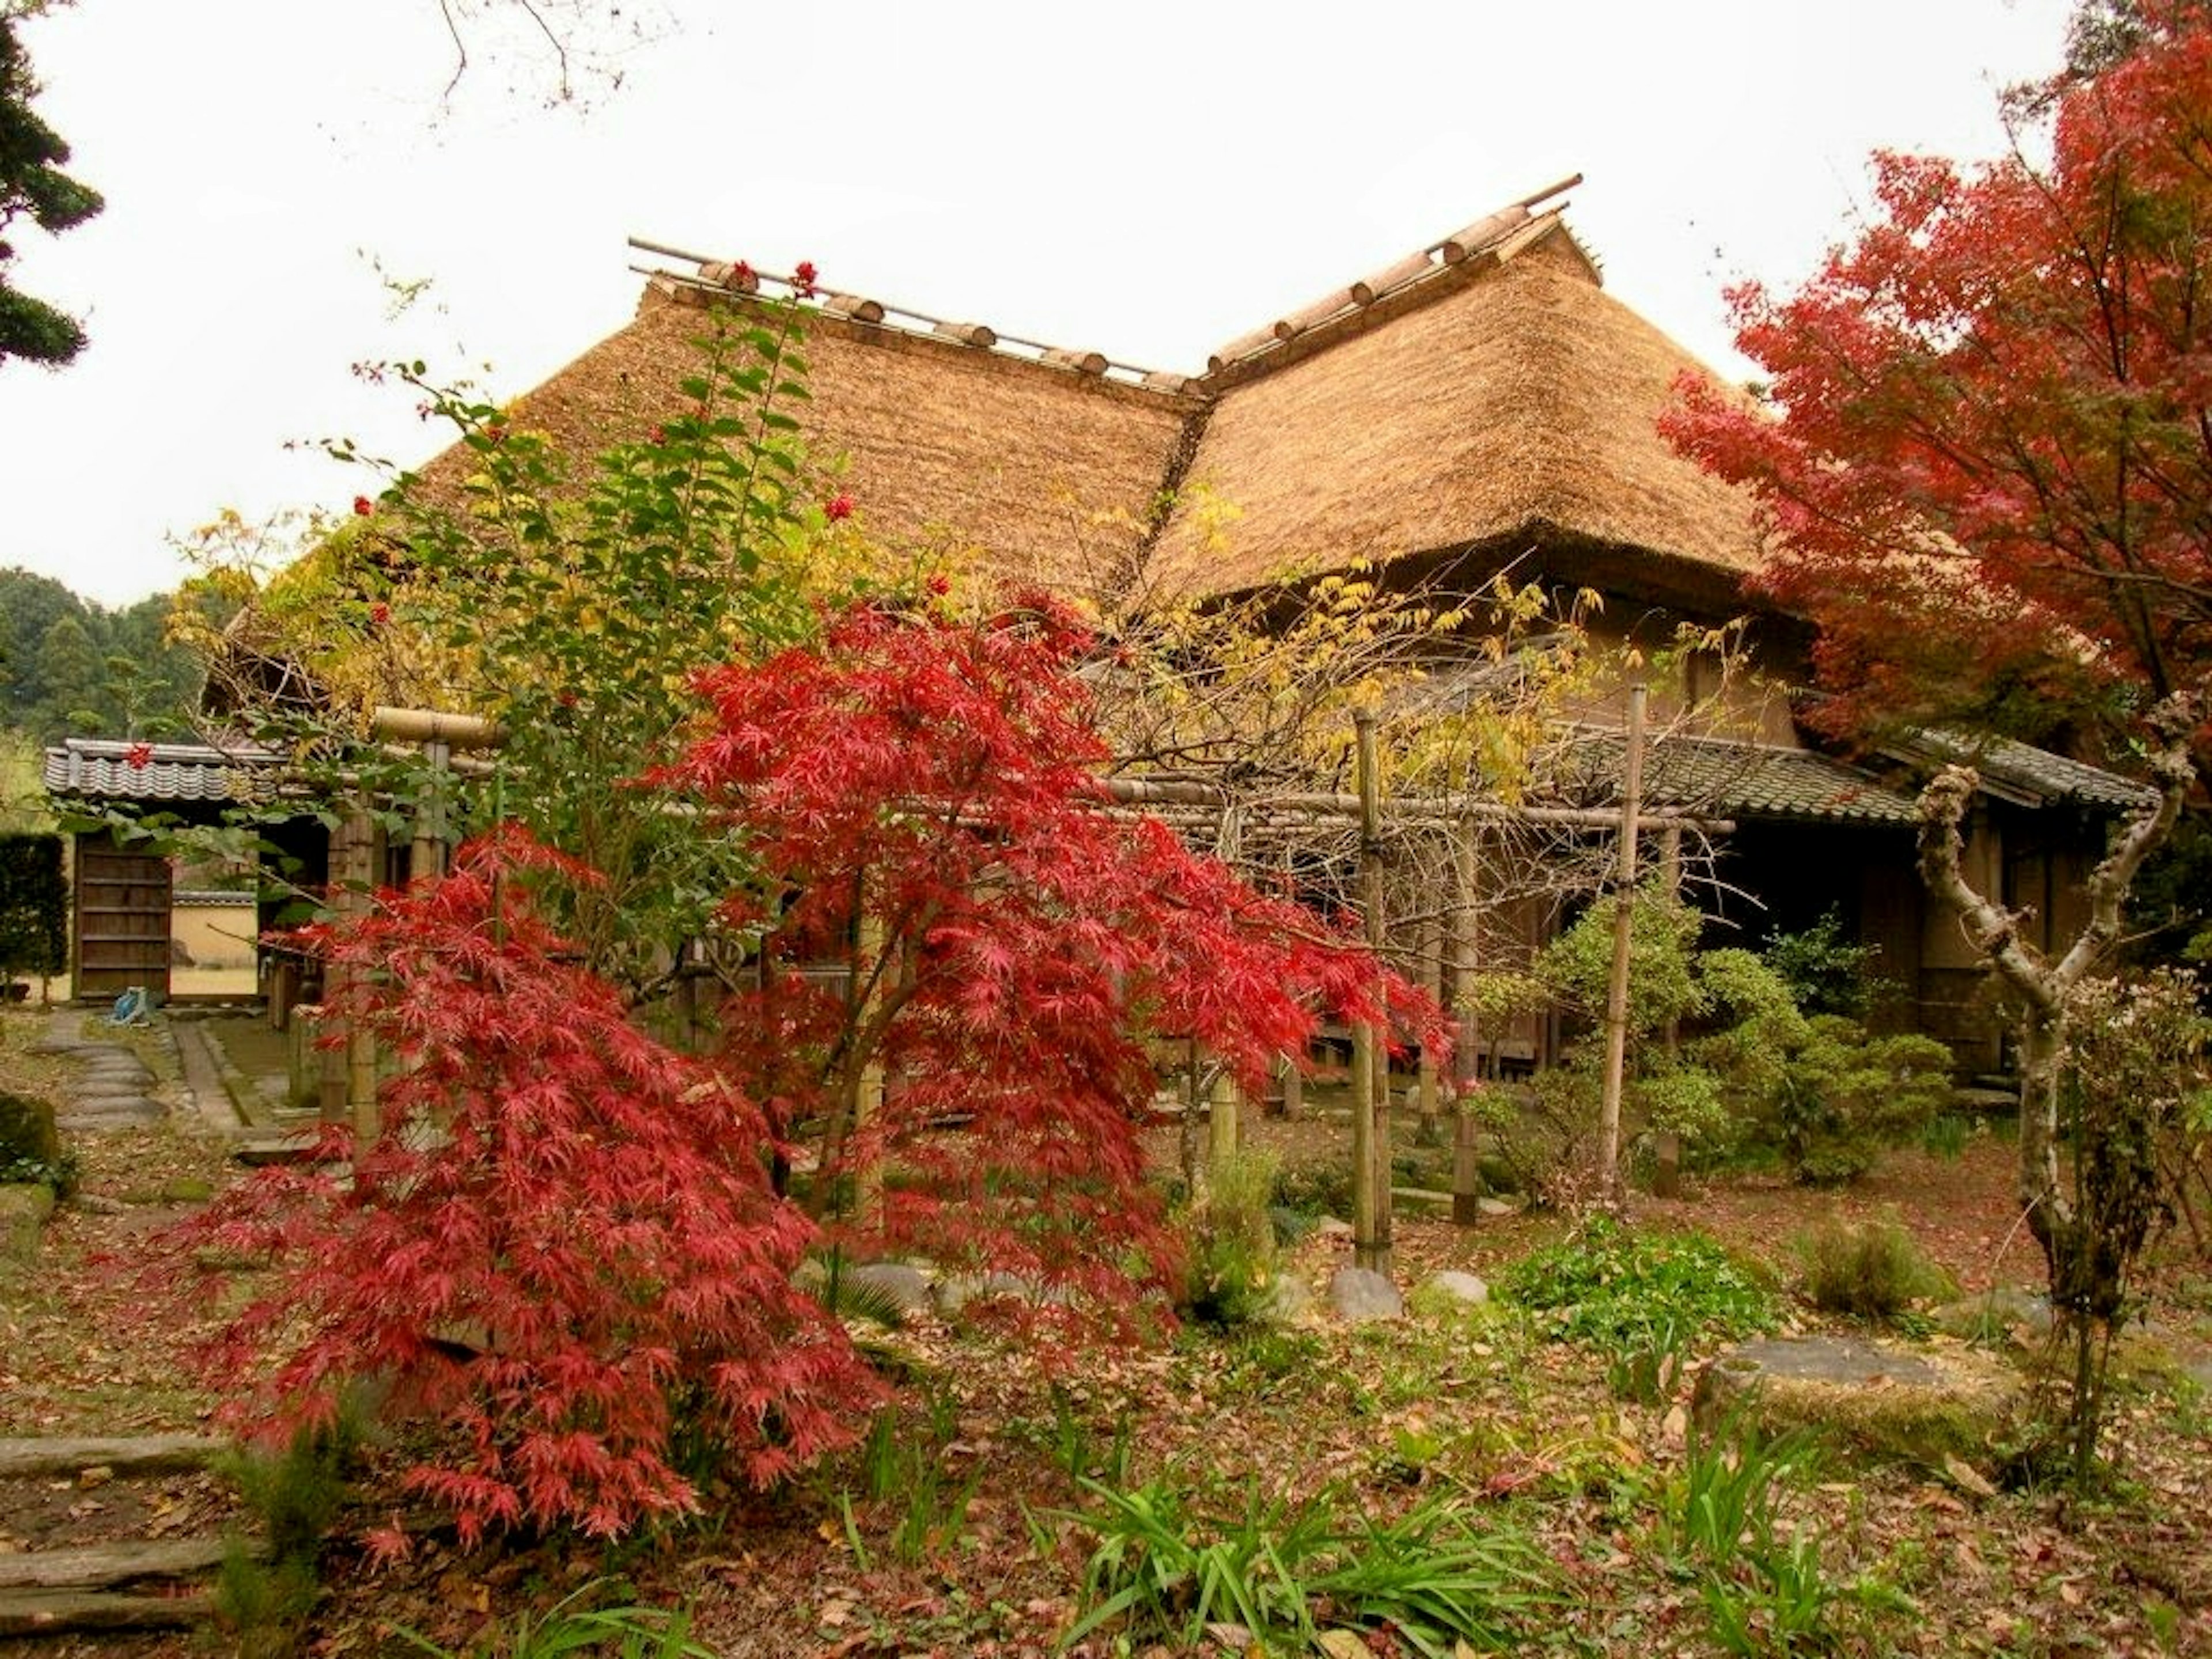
(33, 906)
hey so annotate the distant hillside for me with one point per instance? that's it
(68, 666)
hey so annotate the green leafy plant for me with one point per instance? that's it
(1762, 1584)
(1868, 1270)
(573, 1625)
(1630, 1293)
(1288, 1571)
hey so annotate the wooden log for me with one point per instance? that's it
(54, 1612)
(1243, 346)
(854, 307)
(968, 334)
(103, 1566)
(1463, 245)
(1370, 289)
(48, 1455)
(734, 275)
(1163, 379)
(1083, 362)
(1312, 316)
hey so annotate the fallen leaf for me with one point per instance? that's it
(1965, 1476)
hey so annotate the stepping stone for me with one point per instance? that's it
(115, 1114)
(1360, 1295)
(38, 1456)
(53, 1613)
(1453, 1286)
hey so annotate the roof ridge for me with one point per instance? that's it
(734, 278)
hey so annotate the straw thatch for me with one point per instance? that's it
(1045, 474)
(1474, 404)
(1504, 405)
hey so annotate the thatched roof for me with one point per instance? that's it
(1505, 404)
(1483, 393)
(1046, 473)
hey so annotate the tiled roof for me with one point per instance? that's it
(1735, 780)
(111, 770)
(2022, 773)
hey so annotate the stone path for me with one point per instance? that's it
(113, 1089)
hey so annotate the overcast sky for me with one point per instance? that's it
(1144, 178)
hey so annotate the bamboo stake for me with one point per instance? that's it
(1616, 993)
(1467, 1175)
(1667, 1182)
(868, 1099)
(1430, 1088)
(1370, 1079)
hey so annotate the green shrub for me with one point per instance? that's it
(1316, 1189)
(1632, 1294)
(1869, 1270)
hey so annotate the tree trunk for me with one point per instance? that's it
(2043, 985)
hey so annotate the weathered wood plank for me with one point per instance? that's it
(149, 1454)
(48, 1612)
(101, 1566)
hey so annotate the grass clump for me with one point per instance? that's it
(1435, 1578)
(1869, 1270)
(265, 1590)
(1230, 1239)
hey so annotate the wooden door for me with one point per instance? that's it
(122, 919)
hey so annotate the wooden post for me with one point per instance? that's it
(1187, 1128)
(1616, 994)
(1467, 1174)
(1427, 1132)
(1224, 1100)
(868, 1098)
(1292, 1077)
(1667, 1181)
(1371, 1070)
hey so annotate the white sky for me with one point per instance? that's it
(1140, 178)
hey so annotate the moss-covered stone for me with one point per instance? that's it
(24, 1207)
(1922, 1407)
(27, 1134)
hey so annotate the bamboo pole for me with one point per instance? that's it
(1616, 993)
(1667, 1181)
(1429, 1089)
(868, 1097)
(1370, 1079)
(1467, 1174)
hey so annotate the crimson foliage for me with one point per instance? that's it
(1990, 471)
(562, 1243)
(921, 796)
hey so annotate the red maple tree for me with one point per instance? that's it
(561, 1243)
(1985, 452)
(922, 798)
(566, 1242)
